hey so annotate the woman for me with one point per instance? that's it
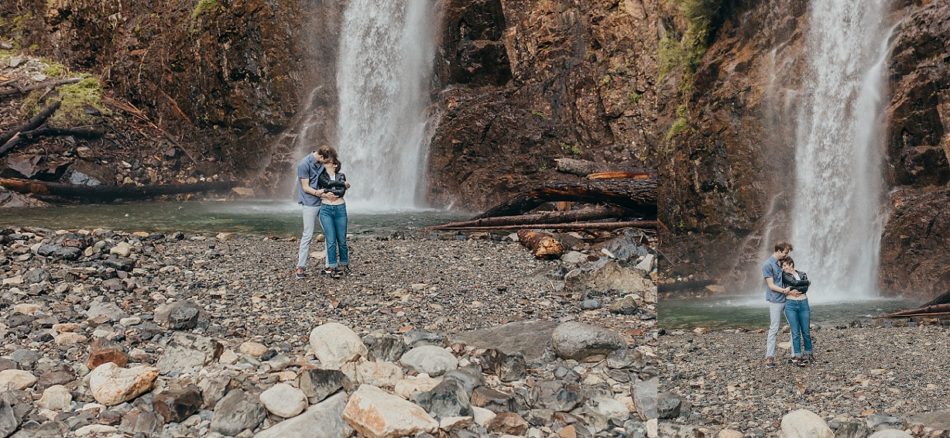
(797, 312)
(332, 185)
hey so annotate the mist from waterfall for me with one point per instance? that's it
(383, 76)
(837, 215)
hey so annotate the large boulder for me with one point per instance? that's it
(111, 385)
(429, 359)
(235, 412)
(805, 424)
(284, 400)
(335, 344)
(323, 420)
(579, 341)
(377, 414)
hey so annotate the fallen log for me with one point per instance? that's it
(29, 136)
(919, 311)
(639, 196)
(621, 175)
(23, 90)
(573, 226)
(577, 167)
(31, 124)
(555, 217)
(942, 299)
(103, 193)
(542, 245)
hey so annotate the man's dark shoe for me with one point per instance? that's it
(300, 274)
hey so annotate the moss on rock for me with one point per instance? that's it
(81, 104)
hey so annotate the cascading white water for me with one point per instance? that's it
(383, 76)
(837, 218)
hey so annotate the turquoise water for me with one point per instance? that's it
(263, 217)
(753, 312)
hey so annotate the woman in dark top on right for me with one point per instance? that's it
(797, 312)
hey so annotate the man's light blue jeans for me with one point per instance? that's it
(309, 222)
(798, 315)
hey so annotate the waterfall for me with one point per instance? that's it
(383, 79)
(837, 216)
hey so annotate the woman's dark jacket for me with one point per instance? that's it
(799, 285)
(337, 186)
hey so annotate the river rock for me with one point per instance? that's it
(492, 399)
(141, 422)
(645, 398)
(16, 380)
(177, 403)
(102, 351)
(111, 385)
(335, 344)
(107, 309)
(374, 413)
(730, 433)
(557, 396)
(180, 315)
(8, 419)
(447, 399)
(579, 341)
(254, 349)
(412, 385)
(605, 276)
(529, 338)
(890, 433)
(236, 412)
(805, 424)
(318, 384)
(429, 359)
(323, 420)
(380, 374)
(186, 353)
(508, 423)
(55, 398)
(482, 416)
(624, 306)
(384, 347)
(667, 406)
(508, 367)
(284, 400)
(121, 249)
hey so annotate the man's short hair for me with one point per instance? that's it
(782, 246)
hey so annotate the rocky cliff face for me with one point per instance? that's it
(225, 78)
(526, 82)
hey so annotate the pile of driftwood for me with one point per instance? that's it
(606, 198)
(938, 307)
(35, 127)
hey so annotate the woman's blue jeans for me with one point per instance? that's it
(333, 220)
(799, 319)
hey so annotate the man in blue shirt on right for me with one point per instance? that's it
(775, 294)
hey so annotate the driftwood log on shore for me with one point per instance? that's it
(542, 245)
(25, 137)
(552, 217)
(587, 168)
(33, 123)
(570, 226)
(638, 196)
(23, 90)
(927, 310)
(103, 193)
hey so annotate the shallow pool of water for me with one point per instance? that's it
(264, 217)
(753, 311)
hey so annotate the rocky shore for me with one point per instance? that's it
(867, 381)
(165, 334)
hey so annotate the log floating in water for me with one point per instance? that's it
(542, 245)
(639, 196)
(104, 193)
(33, 123)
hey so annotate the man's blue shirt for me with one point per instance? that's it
(309, 168)
(772, 269)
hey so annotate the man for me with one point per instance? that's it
(308, 172)
(775, 294)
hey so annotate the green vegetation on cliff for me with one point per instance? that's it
(203, 7)
(81, 103)
(684, 55)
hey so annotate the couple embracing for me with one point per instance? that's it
(785, 290)
(320, 190)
